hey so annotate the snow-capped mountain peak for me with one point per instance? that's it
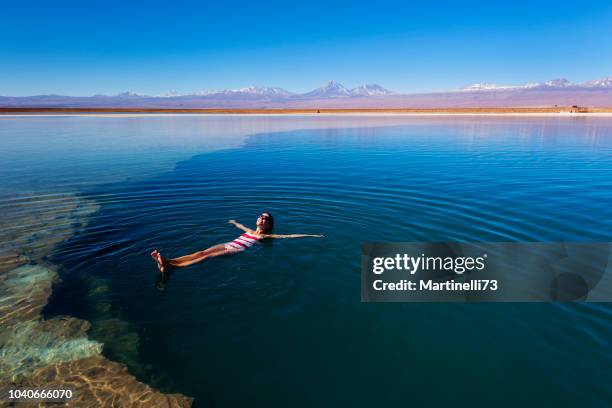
(487, 86)
(171, 94)
(129, 94)
(331, 89)
(600, 83)
(249, 90)
(370, 90)
(334, 85)
(553, 83)
(558, 83)
(267, 91)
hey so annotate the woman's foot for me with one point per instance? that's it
(162, 264)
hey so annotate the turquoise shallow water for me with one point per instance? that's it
(283, 323)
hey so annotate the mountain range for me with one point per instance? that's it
(331, 89)
(559, 83)
(595, 93)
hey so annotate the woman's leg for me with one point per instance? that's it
(163, 263)
(209, 253)
(196, 255)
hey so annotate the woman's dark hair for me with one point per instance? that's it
(270, 223)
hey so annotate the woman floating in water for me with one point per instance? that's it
(264, 226)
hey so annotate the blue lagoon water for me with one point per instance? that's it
(282, 324)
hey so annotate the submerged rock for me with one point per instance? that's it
(57, 353)
(26, 341)
(28, 346)
(98, 382)
(10, 259)
(34, 225)
(24, 292)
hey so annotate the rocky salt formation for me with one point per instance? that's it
(26, 341)
(10, 260)
(23, 294)
(98, 382)
(56, 352)
(31, 227)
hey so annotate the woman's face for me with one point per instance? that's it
(263, 220)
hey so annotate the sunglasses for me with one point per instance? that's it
(265, 217)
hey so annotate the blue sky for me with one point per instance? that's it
(85, 48)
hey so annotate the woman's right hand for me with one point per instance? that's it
(231, 222)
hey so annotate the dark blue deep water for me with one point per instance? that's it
(282, 324)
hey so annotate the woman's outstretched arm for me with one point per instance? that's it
(239, 225)
(293, 236)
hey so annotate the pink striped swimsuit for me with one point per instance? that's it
(243, 242)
